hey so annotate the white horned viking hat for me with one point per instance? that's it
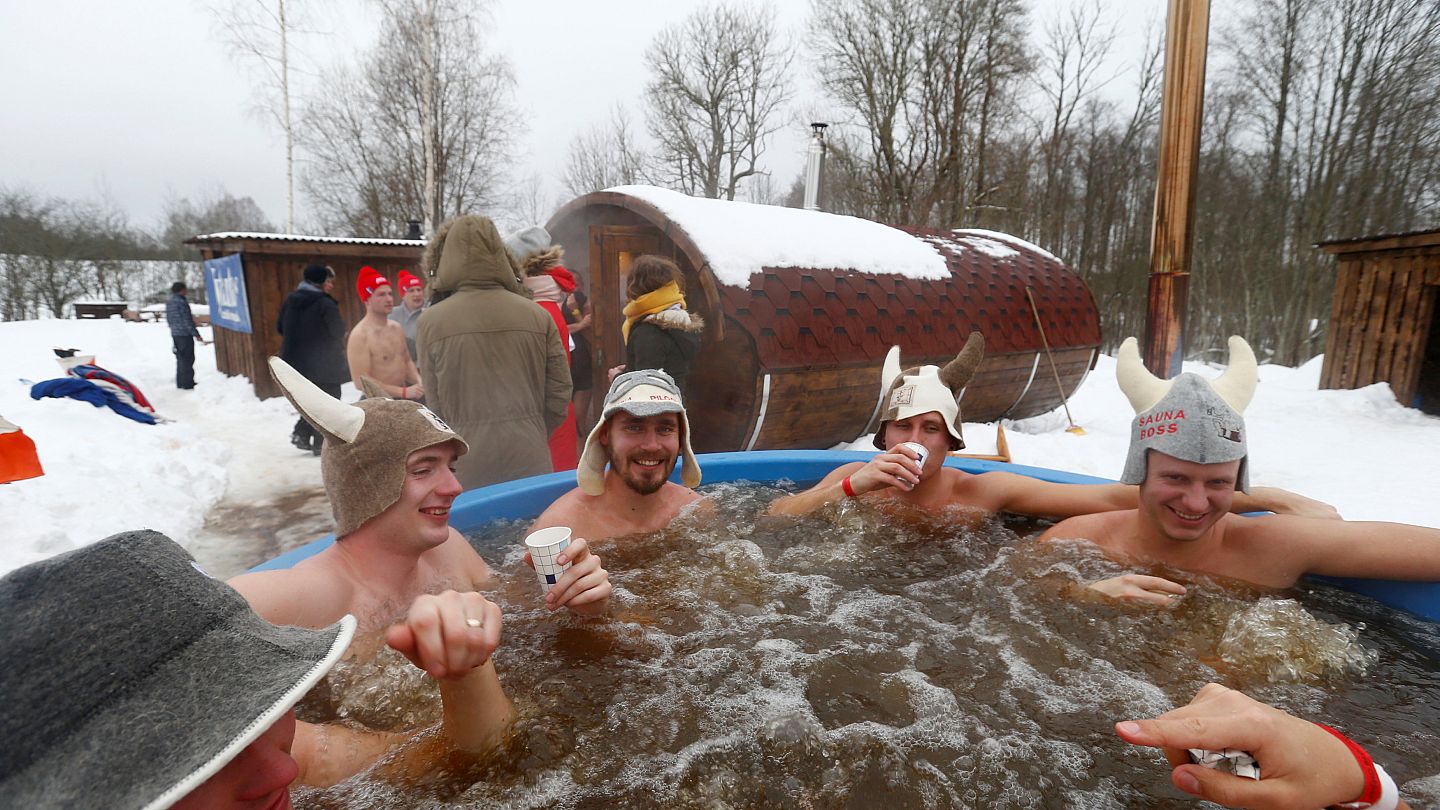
(923, 389)
(366, 444)
(1188, 417)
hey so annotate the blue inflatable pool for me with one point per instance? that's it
(527, 497)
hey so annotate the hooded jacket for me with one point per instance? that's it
(667, 340)
(313, 336)
(490, 358)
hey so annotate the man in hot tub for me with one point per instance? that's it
(922, 407)
(1188, 455)
(389, 470)
(624, 473)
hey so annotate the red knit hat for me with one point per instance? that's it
(409, 280)
(369, 282)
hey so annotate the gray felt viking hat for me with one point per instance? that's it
(922, 389)
(639, 393)
(130, 676)
(1189, 417)
(366, 444)
(526, 242)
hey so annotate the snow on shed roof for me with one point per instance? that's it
(292, 237)
(997, 244)
(740, 238)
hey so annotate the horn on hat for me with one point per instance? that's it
(330, 416)
(1237, 385)
(957, 373)
(890, 371)
(1142, 388)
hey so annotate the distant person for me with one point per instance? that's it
(412, 303)
(184, 334)
(658, 331)
(1301, 764)
(624, 473)
(549, 282)
(490, 358)
(376, 348)
(581, 320)
(1188, 453)
(313, 342)
(921, 407)
(133, 679)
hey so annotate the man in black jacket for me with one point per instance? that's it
(314, 342)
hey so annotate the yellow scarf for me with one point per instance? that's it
(649, 304)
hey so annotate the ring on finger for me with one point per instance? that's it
(472, 622)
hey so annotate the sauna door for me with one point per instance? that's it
(613, 248)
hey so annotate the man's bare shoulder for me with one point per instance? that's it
(559, 513)
(1099, 528)
(457, 557)
(676, 494)
(313, 593)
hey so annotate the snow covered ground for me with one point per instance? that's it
(227, 452)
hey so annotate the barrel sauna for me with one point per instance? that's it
(791, 354)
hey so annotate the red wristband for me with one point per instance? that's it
(1367, 766)
(849, 490)
(402, 391)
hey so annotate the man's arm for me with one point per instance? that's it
(558, 387)
(1024, 495)
(452, 637)
(299, 597)
(1340, 548)
(829, 489)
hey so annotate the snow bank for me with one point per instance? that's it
(106, 474)
(740, 238)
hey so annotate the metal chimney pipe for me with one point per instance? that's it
(413, 232)
(815, 166)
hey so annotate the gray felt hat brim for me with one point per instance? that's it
(132, 677)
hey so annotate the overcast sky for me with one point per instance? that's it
(142, 101)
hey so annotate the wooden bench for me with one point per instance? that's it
(99, 310)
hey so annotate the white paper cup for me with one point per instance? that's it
(918, 448)
(544, 546)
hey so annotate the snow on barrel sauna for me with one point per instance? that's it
(802, 306)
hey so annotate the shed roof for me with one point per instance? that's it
(1388, 241)
(290, 237)
(741, 239)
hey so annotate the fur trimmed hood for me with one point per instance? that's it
(677, 319)
(537, 263)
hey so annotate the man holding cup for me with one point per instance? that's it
(624, 473)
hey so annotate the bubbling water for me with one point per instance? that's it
(859, 657)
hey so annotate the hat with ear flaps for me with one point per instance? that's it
(1188, 417)
(366, 444)
(923, 389)
(639, 393)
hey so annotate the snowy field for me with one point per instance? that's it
(227, 451)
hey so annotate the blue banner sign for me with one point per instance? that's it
(225, 289)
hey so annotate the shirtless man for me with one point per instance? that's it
(389, 471)
(376, 348)
(642, 431)
(921, 406)
(1188, 454)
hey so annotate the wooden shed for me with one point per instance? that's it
(802, 306)
(274, 265)
(1382, 317)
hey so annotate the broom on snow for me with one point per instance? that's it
(1064, 400)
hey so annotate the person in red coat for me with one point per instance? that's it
(549, 282)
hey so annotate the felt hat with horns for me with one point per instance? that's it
(366, 444)
(1188, 417)
(923, 389)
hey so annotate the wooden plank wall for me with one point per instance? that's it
(1380, 317)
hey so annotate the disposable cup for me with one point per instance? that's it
(544, 546)
(918, 448)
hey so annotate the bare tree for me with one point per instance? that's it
(604, 156)
(717, 82)
(425, 127)
(261, 32)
